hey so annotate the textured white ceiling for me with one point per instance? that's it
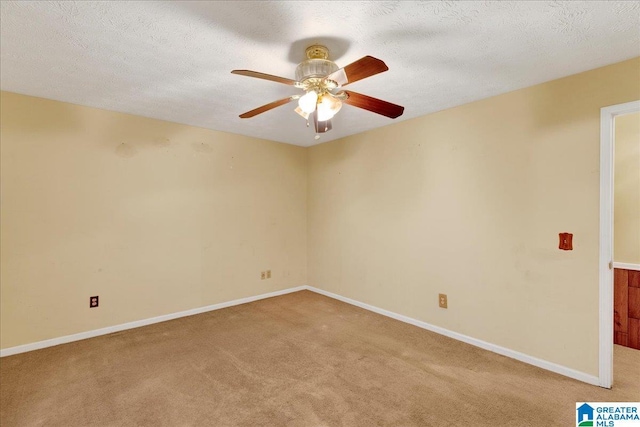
(172, 60)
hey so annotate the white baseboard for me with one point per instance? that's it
(549, 366)
(626, 266)
(136, 324)
(553, 367)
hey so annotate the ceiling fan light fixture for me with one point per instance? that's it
(328, 106)
(321, 80)
(307, 102)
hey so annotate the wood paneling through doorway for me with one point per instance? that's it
(626, 308)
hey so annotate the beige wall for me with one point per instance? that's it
(469, 202)
(626, 210)
(157, 217)
(152, 216)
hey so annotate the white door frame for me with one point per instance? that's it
(607, 138)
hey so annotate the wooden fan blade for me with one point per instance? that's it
(264, 76)
(321, 127)
(362, 68)
(373, 104)
(267, 107)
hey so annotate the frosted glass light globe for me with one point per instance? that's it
(307, 102)
(328, 107)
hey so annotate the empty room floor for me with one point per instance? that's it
(300, 359)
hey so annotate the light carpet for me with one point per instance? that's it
(300, 359)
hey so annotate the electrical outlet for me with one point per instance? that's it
(268, 274)
(263, 275)
(442, 300)
(93, 302)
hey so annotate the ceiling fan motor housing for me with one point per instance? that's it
(317, 64)
(314, 68)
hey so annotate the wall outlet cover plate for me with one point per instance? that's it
(442, 300)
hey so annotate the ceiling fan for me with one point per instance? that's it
(322, 81)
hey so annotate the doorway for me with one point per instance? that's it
(607, 140)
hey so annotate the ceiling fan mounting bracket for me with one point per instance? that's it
(317, 51)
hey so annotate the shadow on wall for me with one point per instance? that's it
(264, 23)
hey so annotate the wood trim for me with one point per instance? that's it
(634, 279)
(621, 338)
(620, 302)
(633, 302)
(633, 338)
